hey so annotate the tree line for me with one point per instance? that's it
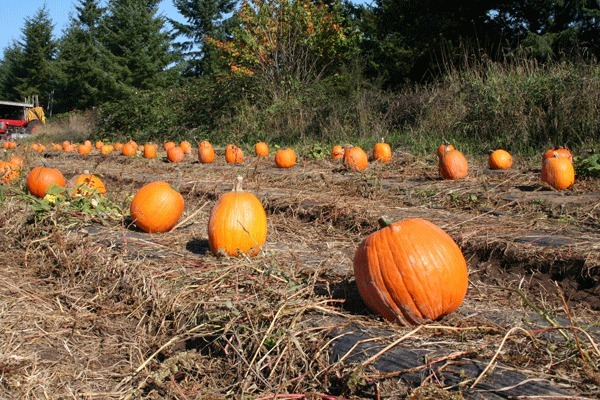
(122, 54)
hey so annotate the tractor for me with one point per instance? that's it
(32, 117)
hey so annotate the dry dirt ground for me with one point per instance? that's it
(91, 307)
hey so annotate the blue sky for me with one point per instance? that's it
(14, 12)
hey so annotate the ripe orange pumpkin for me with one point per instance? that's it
(206, 153)
(99, 144)
(500, 159)
(84, 149)
(443, 148)
(411, 272)
(150, 150)
(337, 152)
(118, 146)
(561, 151)
(56, 147)
(87, 184)
(355, 159)
(382, 151)
(156, 207)
(40, 179)
(168, 145)
(129, 149)
(285, 158)
(175, 154)
(453, 165)
(233, 154)
(237, 223)
(185, 146)
(558, 172)
(261, 149)
(106, 149)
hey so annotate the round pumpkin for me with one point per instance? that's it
(185, 146)
(561, 151)
(233, 154)
(150, 150)
(87, 184)
(337, 152)
(168, 145)
(175, 154)
(84, 149)
(500, 159)
(118, 146)
(355, 159)
(129, 149)
(382, 151)
(443, 148)
(106, 149)
(285, 158)
(206, 153)
(558, 172)
(40, 179)
(261, 149)
(411, 272)
(99, 144)
(453, 165)
(156, 207)
(237, 223)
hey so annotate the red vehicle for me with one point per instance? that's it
(33, 116)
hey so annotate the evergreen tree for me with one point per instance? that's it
(12, 57)
(139, 48)
(83, 61)
(204, 18)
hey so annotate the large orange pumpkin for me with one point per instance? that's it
(355, 159)
(156, 207)
(237, 223)
(233, 154)
(337, 152)
(453, 165)
(261, 149)
(382, 151)
(411, 272)
(500, 159)
(206, 153)
(558, 172)
(129, 149)
(40, 179)
(87, 184)
(285, 158)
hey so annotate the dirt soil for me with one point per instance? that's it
(92, 307)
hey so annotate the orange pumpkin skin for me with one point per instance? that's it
(185, 146)
(86, 184)
(84, 149)
(206, 153)
(150, 150)
(561, 151)
(444, 148)
(129, 149)
(156, 207)
(285, 158)
(500, 159)
(261, 149)
(168, 145)
(99, 144)
(16, 160)
(558, 172)
(106, 149)
(40, 179)
(337, 152)
(355, 159)
(9, 171)
(453, 165)
(382, 152)
(175, 154)
(411, 272)
(237, 223)
(233, 154)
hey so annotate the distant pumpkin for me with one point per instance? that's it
(40, 179)
(261, 149)
(233, 154)
(206, 152)
(453, 165)
(558, 172)
(175, 154)
(87, 184)
(156, 207)
(561, 151)
(500, 159)
(355, 158)
(337, 152)
(285, 158)
(382, 151)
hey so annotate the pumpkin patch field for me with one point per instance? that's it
(221, 273)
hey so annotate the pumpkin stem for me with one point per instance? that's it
(237, 187)
(384, 221)
(382, 140)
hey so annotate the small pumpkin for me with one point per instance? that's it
(56, 147)
(185, 146)
(150, 150)
(261, 149)
(40, 179)
(411, 272)
(382, 151)
(337, 152)
(99, 144)
(443, 148)
(233, 154)
(106, 149)
(84, 149)
(175, 154)
(285, 158)
(453, 165)
(500, 159)
(558, 172)
(129, 149)
(237, 223)
(561, 151)
(118, 146)
(355, 158)
(87, 184)
(156, 207)
(206, 153)
(168, 144)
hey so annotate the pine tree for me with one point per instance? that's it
(204, 18)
